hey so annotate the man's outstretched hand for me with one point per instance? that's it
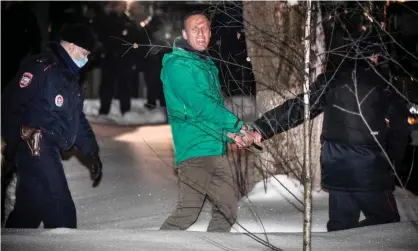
(96, 170)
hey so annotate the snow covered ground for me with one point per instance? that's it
(396, 237)
(139, 190)
(138, 115)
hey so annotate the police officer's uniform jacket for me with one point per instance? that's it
(46, 95)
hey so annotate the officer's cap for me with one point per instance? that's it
(80, 35)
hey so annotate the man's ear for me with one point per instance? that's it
(184, 34)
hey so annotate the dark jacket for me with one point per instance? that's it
(351, 159)
(116, 32)
(46, 94)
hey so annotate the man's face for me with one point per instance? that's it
(78, 54)
(374, 58)
(197, 32)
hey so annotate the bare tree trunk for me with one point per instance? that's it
(274, 33)
(242, 160)
(307, 156)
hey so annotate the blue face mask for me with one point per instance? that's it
(80, 62)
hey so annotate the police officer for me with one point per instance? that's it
(42, 115)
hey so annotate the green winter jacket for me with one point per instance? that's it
(195, 107)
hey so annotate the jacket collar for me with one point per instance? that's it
(181, 45)
(64, 59)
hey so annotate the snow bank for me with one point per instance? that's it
(399, 237)
(138, 115)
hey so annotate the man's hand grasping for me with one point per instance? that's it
(245, 138)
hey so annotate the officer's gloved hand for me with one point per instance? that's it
(96, 170)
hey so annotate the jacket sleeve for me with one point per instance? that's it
(17, 97)
(199, 98)
(86, 140)
(291, 113)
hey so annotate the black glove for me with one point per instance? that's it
(96, 170)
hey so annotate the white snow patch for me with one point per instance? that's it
(292, 2)
(399, 237)
(60, 231)
(138, 115)
(281, 187)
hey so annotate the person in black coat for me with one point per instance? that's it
(42, 115)
(356, 102)
(120, 62)
(363, 110)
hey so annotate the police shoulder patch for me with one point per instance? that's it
(25, 80)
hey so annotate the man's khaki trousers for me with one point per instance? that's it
(200, 178)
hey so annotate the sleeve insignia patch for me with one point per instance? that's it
(25, 80)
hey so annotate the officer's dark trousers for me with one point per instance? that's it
(378, 207)
(42, 193)
(115, 73)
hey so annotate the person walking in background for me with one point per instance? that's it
(119, 66)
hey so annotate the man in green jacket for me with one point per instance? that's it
(200, 124)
